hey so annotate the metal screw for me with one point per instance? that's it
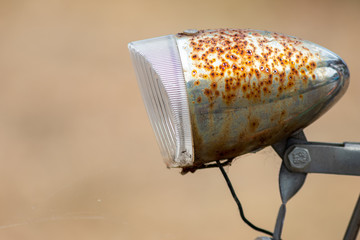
(299, 157)
(190, 32)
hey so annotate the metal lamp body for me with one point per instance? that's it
(247, 89)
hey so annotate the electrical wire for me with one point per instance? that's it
(238, 202)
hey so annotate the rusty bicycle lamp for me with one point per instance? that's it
(214, 95)
(217, 94)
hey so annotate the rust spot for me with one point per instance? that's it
(265, 89)
(227, 87)
(313, 64)
(197, 83)
(213, 85)
(244, 88)
(304, 79)
(253, 124)
(198, 100)
(207, 92)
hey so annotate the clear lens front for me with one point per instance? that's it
(160, 77)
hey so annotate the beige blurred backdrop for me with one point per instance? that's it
(78, 156)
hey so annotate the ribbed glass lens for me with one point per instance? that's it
(161, 81)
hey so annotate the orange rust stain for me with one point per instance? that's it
(213, 85)
(207, 92)
(198, 100)
(313, 64)
(193, 73)
(244, 88)
(244, 63)
(304, 78)
(253, 124)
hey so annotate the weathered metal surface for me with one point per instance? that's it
(248, 89)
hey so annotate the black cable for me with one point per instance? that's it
(192, 169)
(238, 202)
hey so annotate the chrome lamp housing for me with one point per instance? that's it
(217, 94)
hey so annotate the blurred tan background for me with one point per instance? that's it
(78, 156)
